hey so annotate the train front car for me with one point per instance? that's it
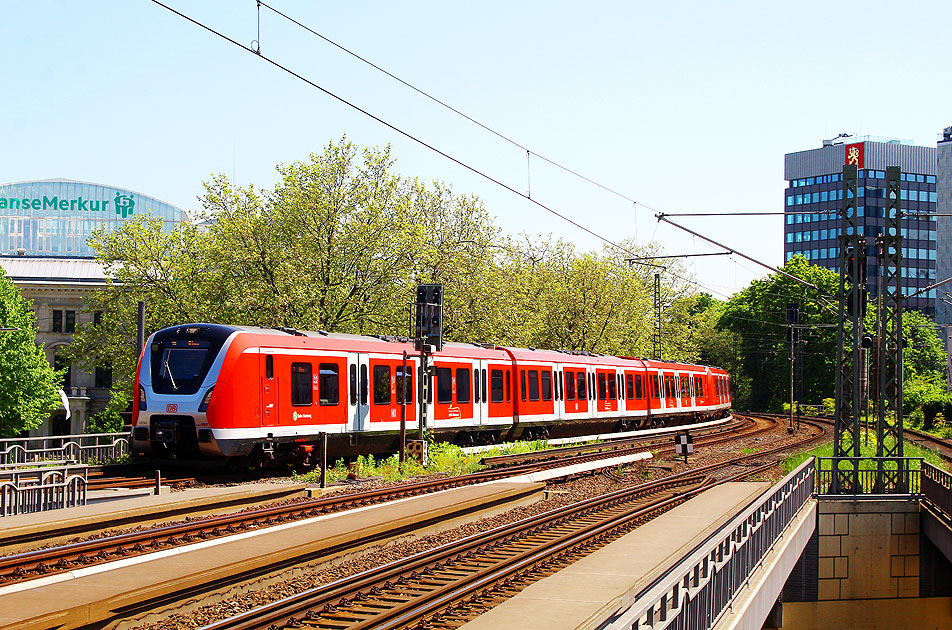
(178, 370)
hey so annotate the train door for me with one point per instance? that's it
(480, 392)
(558, 386)
(358, 367)
(269, 390)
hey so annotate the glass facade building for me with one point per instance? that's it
(55, 217)
(814, 197)
(943, 314)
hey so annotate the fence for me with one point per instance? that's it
(39, 489)
(937, 488)
(75, 449)
(857, 476)
(697, 591)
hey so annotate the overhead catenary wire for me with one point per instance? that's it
(396, 129)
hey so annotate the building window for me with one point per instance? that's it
(103, 377)
(63, 321)
(61, 363)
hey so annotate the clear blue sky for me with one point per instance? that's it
(683, 106)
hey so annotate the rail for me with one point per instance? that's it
(937, 488)
(870, 476)
(74, 449)
(29, 490)
(700, 588)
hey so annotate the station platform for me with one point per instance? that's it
(140, 586)
(129, 509)
(586, 593)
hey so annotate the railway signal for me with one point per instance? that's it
(429, 317)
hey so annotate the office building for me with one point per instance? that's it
(814, 197)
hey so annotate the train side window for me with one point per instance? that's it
(484, 384)
(561, 386)
(476, 386)
(612, 388)
(496, 389)
(591, 386)
(580, 379)
(302, 393)
(630, 386)
(522, 382)
(381, 384)
(404, 384)
(444, 386)
(462, 385)
(328, 384)
(429, 389)
(364, 385)
(638, 387)
(533, 385)
(269, 366)
(353, 384)
(508, 386)
(699, 386)
(621, 386)
(546, 377)
(569, 385)
(602, 390)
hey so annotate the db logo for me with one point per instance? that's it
(171, 408)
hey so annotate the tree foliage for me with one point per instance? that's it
(757, 316)
(340, 244)
(28, 385)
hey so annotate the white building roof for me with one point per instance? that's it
(53, 270)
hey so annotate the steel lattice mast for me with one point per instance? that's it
(852, 294)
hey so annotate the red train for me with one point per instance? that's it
(234, 391)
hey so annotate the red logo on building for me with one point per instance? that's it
(171, 408)
(854, 154)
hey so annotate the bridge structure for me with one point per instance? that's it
(752, 555)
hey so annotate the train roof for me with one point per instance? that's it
(291, 337)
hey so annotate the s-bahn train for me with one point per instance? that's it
(261, 393)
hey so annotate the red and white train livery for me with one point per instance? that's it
(238, 391)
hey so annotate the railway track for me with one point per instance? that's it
(447, 586)
(34, 564)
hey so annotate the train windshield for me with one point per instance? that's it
(180, 365)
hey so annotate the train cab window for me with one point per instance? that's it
(444, 385)
(496, 389)
(508, 386)
(546, 377)
(381, 384)
(364, 385)
(476, 386)
(462, 385)
(612, 390)
(638, 387)
(302, 392)
(353, 384)
(522, 383)
(328, 384)
(581, 385)
(269, 366)
(404, 384)
(484, 384)
(569, 386)
(533, 385)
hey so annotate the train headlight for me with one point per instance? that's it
(141, 398)
(207, 399)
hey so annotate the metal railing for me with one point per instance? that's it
(39, 489)
(857, 476)
(75, 449)
(937, 488)
(700, 588)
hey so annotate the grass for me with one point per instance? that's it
(445, 459)
(866, 450)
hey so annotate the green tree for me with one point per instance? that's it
(28, 385)
(757, 316)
